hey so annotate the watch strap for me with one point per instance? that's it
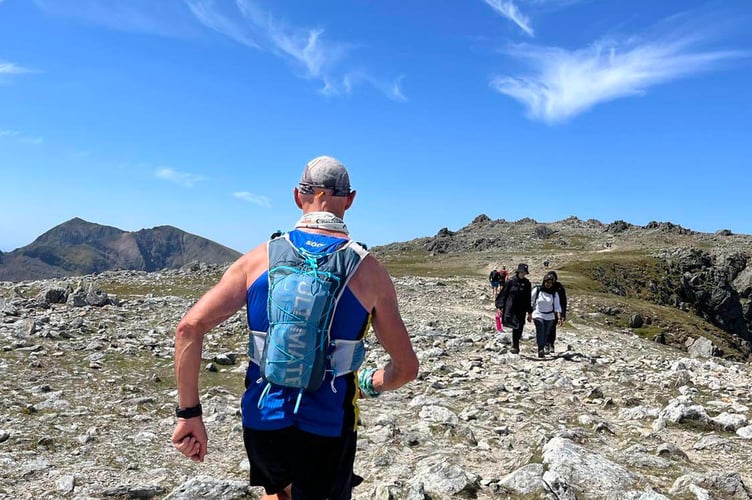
(193, 411)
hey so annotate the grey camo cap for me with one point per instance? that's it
(327, 173)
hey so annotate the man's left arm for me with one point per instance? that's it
(392, 334)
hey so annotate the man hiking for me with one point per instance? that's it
(495, 278)
(311, 294)
(504, 274)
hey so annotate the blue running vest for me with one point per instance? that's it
(294, 381)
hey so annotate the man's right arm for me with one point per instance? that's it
(218, 304)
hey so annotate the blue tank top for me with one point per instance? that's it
(325, 412)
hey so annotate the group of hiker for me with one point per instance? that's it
(517, 300)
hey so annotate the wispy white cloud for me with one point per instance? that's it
(563, 84)
(392, 89)
(207, 15)
(508, 9)
(553, 3)
(307, 47)
(396, 90)
(181, 178)
(256, 199)
(9, 68)
(310, 50)
(19, 137)
(163, 17)
(253, 27)
(313, 54)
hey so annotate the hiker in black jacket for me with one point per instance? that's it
(495, 279)
(558, 288)
(513, 302)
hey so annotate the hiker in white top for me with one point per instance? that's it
(546, 311)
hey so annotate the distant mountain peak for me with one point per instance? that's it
(78, 247)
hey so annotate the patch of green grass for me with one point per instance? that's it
(624, 274)
(647, 332)
(224, 378)
(576, 242)
(27, 292)
(186, 286)
(190, 287)
(421, 263)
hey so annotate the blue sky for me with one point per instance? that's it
(202, 114)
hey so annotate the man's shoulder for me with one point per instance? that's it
(371, 281)
(253, 262)
(370, 268)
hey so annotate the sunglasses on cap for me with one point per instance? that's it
(308, 188)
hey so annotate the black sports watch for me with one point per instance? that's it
(193, 411)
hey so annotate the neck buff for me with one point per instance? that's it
(322, 220)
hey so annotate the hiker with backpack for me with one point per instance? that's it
(498, 279)
(513, 302)
(503, 275)
(558, 288)
(501, 278)
(546, 311)
(311, 294)
(495, 278)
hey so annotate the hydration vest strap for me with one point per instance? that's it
(257, 346)
(345, 356)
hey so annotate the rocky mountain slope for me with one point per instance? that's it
(657, 272)
(87, 393)
(88, 399)
(79, 247)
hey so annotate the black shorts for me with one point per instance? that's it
(318, 467)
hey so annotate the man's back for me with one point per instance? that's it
(330, 409)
